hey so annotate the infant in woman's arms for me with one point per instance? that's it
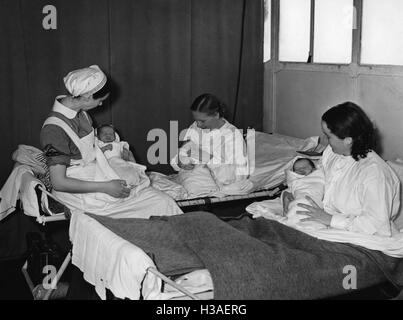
(119, 156)
(302, 180)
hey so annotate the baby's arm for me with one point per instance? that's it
(127, 155)
(106, 147)
(286, 198)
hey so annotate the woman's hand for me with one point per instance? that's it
(117, 189)
(314, 212)
(287, 197)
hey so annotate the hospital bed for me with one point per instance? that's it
(136, 269)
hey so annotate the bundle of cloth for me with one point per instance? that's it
(168, 185)
(300, 185)
(29, 171)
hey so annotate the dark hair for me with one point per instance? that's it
(306, 159)
(103, 91)
(209, 104)
(102, 126)
(349, 120)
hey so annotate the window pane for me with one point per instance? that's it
(333, 31)
(267, 30)
(382, 32)
(294, 30)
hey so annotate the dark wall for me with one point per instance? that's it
(159, 54)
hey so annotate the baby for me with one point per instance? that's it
(303, 166)
(119, 156)
(304, 180)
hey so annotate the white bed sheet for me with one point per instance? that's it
(269, 156)
(272, 155)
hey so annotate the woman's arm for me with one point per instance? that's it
(378, 197)
(60, 182)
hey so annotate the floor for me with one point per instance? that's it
(12, 281)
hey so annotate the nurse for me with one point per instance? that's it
(212, 141)
(361, 190)
(79, 172)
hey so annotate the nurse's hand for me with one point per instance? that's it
(117, 189)
(315, 212)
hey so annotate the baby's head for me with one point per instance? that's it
(303, 166)
(106, 133)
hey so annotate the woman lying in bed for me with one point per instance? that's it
(79, 172)
(213, 147)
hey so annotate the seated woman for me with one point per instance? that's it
(214, 143)
(361, 190)
(79, 172)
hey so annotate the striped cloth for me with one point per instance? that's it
(44, 178)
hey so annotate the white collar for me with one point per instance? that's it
(67, 112)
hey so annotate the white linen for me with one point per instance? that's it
(167, 184)
(94, 167)
(312, 185)
(28, 196)
(299, 186)
(195, 282)
(223, 150)
(198, 182)
(271, 154)
(108, 261)
(133, 173)
(28, 155)
(10, 192)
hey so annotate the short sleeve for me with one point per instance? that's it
(56, 145)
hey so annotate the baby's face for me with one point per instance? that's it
(107, 134)
(303, 167)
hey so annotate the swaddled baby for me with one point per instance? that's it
(114, 149)
(304, 180)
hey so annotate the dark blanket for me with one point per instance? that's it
(252, 259)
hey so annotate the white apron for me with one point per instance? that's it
(95, 167)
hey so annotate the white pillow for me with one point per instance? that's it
(397, 167)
